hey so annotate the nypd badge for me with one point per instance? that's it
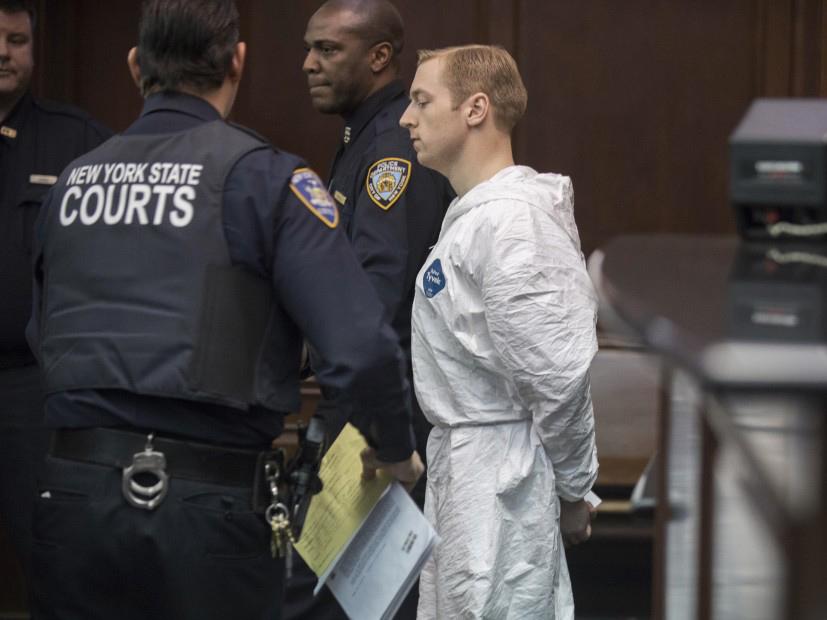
(387, 180)
(309, 189)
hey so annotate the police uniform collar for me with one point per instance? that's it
(16, 118)
(370, 107)
(180, 102)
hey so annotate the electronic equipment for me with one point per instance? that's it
(778, 170)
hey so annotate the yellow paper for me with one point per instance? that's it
(338, 511)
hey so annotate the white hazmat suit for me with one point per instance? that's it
(503, 337)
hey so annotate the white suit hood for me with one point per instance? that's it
(548, 191)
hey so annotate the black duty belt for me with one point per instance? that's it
(193, 461)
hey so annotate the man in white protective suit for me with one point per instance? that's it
(503, 337)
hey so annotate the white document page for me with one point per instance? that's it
(377, 568)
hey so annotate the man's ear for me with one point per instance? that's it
(380, 56)
(477, 108)
(237, 62)
(134, 67)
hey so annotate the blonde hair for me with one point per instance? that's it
(489, 69)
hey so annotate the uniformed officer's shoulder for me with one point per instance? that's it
(291, 170)
(267, 152)
(389, 161)
(391, 136)
(57, 108)
(254, 135)
(61, 115)
(391, 142)
(288, 159)
(310, 191)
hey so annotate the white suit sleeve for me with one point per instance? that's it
(540, 310)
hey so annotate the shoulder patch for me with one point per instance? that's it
(309, 189)
(387, 179)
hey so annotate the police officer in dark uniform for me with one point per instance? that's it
(178, 268)
(37, 139)
(391, 207)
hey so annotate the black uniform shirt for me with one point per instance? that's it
(312, 267)
(391, 207)
(37, 141)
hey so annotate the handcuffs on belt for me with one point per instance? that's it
(146, 463)
(296, 483)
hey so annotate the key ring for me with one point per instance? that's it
(275, 511)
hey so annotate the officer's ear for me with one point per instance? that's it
(134, 67)
(380, 56)
(237, 62)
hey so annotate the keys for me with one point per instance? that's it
(288, 559)
(281, 528)
(281, 543)
(277, 515)
(277, 540)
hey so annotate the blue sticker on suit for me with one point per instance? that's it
(433, 280)
(309, 189)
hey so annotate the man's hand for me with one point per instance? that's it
(575, 521)
(407, 472)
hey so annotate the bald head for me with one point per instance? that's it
(372, 21)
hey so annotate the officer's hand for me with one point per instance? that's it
(407, 472)
(575, 521)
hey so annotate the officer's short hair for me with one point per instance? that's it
(383, 23)
(489, 69)
(18, 6)
(186, 43)
(379, 22)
